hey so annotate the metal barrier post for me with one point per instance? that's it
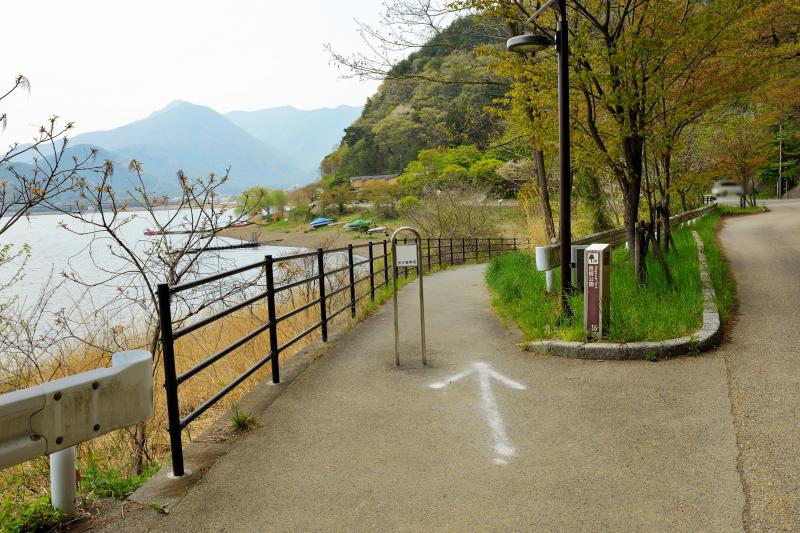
(170, 379)
(385, 264)
(371, 273)
(63, 480)
(273, 327)
(352, 281)
(323, 310)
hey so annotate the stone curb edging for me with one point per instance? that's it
(707, 337)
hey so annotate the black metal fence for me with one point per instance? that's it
(329, 286)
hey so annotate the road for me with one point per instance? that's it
(488, 437)
(763, 359)
(491, 438)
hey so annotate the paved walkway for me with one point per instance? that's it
(763, 357)
(486, 438)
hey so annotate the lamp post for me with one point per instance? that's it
(531, 43)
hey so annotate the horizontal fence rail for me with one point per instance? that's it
(338, 279)
(618, 236)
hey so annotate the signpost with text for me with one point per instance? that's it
(597, 288)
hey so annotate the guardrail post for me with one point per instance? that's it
(323, 310)
(170, 379)
(371, 273)
(352, 281)
(273, 326)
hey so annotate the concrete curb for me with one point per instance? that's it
(707, 337)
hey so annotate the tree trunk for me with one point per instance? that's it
(544, 194)
(595, 201)
(631, 184)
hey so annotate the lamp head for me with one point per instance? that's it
(529, 43)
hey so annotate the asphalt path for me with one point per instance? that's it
(762, 358)
(485, 438)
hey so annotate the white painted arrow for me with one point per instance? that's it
(502, 447)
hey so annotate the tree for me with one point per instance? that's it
(179, 249)
(257, 199)
(338, 196)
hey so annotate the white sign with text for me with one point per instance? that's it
(406, 255)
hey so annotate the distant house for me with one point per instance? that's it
(364, 181)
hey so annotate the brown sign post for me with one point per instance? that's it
(597, 288)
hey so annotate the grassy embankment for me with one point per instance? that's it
(653, 312)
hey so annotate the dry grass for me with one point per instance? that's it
(115, 450)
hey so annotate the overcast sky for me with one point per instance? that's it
(104, 63)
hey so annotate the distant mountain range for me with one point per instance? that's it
(275, 147)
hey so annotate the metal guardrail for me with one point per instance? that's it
(435, 252)
(618, 236)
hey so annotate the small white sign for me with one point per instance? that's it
(594, 258)
(406, 255)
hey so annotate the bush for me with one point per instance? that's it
(37, 515)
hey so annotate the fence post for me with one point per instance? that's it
(429, 253)
(452, 254)
(439, 250)
(371, 273)
(273, 326)
(489, 246)
(463, 250)
(385, 264)
(352, 281)
(170, 379)
(477, 251)
(323, 310)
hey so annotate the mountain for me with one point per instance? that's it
(197, 140)
(304, 136)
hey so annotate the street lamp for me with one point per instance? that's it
(531, 43)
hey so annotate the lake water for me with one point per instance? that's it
(54, 249)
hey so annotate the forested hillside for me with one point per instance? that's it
(430, 99)
(666, 97)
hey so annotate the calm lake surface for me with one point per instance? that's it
(54, 249)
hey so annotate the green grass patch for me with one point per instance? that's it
(242, 420)
(111, 482)
(653, 312)
(32, 515)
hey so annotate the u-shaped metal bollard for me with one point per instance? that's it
(409, 258)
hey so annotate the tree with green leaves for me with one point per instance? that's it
(257, 199)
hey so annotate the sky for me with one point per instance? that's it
(104, 63)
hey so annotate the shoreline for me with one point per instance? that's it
(334, 237)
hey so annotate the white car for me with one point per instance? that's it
(727, 188)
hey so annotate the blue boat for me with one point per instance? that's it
(319, 222)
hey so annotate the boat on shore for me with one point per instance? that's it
(320, 222)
